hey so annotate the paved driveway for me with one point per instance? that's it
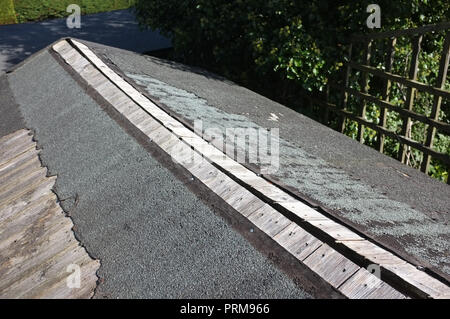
(117, 28)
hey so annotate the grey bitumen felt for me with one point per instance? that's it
(397, 205)
(153, 236)
(115, 28)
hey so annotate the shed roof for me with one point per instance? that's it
(139, 213)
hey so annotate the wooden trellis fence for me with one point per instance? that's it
(406, 113)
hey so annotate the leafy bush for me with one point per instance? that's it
(282, 47)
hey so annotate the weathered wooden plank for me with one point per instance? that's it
(60, 45)
(89, 276)
(183, 132)
(209, 175)
(249, 206)
(405, 271)
(174, 125)
(419, 279)
(69, 55)
(115, 96)
(73, 57)
(206, 172)
(399, 79)
(107, 88)
(274, 193)
(240, 199)
(80, 64)
(92, 76)
(90, 72)
(22, 186)
(303, 211)
(117, 99)
(413, 69)
(241, 172)
(170, 143)
(184, 155)
(228, 187)
(196, 142)
(364, 82)
(20, 145)
(165, 118)
(33, 263)
(386, 90)
(202, 149)
(29, 217)
(331, 265)
(156, 112)
(138, 116)
(64, 51)
(385, 104)
(335, 230)
(254, 181)
(159, 135)
(19, 173)
(57, 275)
(26, 198)
(364, 285)
(220, 183)
(55, 267)
(229, 190)
(26, 250)
(201, 169)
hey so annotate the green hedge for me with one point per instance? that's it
(7, 13)
(35, 10)
(279, 47)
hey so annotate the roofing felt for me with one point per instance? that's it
(154, 237)
(176, 97)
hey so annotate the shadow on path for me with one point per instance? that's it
(116, 28)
